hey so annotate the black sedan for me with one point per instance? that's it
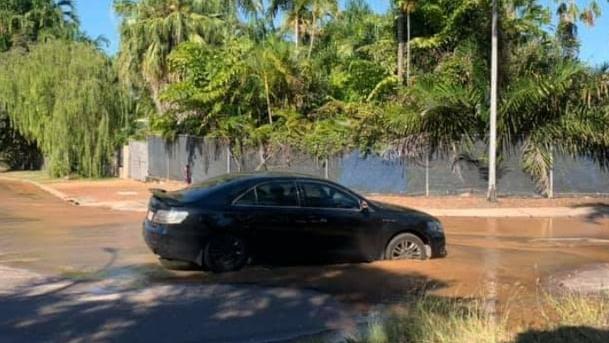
(224, 222)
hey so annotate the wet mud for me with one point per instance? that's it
(509, 260)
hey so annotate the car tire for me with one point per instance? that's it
(225, 253)
(176, 265)
(406, 246)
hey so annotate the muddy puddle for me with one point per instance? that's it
(510, 260)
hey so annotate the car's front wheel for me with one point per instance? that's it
(225, 253)
(406, 246)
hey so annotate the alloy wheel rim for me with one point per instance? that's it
(228, 252)
(406, 249)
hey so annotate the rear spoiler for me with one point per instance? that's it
(163, 196)
(158, 192)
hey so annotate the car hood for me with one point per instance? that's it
(400, 210)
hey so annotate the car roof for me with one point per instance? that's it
(269, 176)
(239, 178)
(226, 187)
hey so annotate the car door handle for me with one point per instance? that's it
(245, 217)
(317, 220)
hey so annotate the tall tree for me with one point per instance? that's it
(25, 21)
(405, 9)
(152, 29)
(293, 11)
(569, 14)
(319, 10)
(62, 95)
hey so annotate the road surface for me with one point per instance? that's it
(77, 273)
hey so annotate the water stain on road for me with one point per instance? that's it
(502, 259)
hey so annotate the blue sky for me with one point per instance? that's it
(98, 18)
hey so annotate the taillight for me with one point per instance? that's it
(171, 216)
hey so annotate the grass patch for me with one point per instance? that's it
(435, 319)
(572, 317)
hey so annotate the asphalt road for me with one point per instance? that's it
(78, 274)
(70, 273)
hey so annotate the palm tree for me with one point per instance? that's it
(568, 14)
(405, 8)
(271, 63)
(25, 21)
(152, 29)
(319, 10)
(293, 10)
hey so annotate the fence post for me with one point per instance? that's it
(228, 157)
(427, 174)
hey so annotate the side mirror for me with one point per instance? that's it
(363, 206)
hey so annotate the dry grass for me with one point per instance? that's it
(571, 317)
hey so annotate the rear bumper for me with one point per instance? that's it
(168, 243)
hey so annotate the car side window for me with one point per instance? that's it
(248, 198)
(324, 196)
(277, 194)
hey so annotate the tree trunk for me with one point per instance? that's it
(401, 46)
(492, 182)
(408, 48)
(314, 22)
(263, 156)
(268, 99)
(296, 32)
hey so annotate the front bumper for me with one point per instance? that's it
(437, 243)
(169, 243)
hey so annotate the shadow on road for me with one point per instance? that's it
(565, 334)
(599, 211)
(257, 304)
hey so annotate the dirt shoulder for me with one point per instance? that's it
(130, 195)
(114, 193)
(479, 201)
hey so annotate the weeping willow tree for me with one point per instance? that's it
(63, 96)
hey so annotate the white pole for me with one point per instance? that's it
(326, 169)
(551, 176)
(408, 48)
(492, 182)
(427, 174)
(228, 157)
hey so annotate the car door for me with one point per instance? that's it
(335, 220)
(269, 211)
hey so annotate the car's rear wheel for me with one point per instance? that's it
(176, 265)
(225, 253)
(406, 246)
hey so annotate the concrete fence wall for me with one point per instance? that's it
(160, 159)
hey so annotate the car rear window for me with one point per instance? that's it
(248, 198)
(276, 194)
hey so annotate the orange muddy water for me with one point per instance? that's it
(509, 259)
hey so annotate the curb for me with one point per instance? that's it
(514, 212)
(45, 188)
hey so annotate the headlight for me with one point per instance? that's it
(434, 226)
(169, 217)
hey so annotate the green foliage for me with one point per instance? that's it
(62, 95)
(25, 21)
(250, 87)
(323, 82)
